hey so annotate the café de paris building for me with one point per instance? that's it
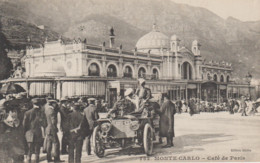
(82, 69)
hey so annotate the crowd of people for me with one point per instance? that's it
(242, 105)
(30, 125)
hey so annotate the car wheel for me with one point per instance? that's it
(148, 139)
(98, 142)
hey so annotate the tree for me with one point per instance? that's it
(5, 62)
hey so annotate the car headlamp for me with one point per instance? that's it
(105, 127)
(134, 125)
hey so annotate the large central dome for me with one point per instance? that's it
(153, 40)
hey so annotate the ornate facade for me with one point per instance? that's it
(80, 68)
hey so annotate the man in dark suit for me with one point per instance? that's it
(52, 139)
(167, 112)
(78, 128)
(33, 126)
(64, 125)
(91, 116)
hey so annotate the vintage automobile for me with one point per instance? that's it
(123, 131)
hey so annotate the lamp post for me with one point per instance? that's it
(248, 80)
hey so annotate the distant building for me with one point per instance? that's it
(82, 69)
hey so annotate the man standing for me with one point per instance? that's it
(243, 106)
(51, 131)
(91, 116)
(33, 126)
(77, 131)
(167, 112)
(143, 94)
(64, 125)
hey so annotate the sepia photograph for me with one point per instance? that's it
(114, 81)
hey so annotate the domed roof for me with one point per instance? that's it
(153, 40)
(53, 69)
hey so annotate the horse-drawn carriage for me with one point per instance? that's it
(135, 128)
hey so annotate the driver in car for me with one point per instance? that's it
(123, 106)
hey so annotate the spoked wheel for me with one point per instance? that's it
(148, 139)
(98, 142)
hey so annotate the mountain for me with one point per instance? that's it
(228, 39)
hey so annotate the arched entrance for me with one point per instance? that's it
(221, 78)
(186, 71)
(111, 71)
(155, 74)
(128, 72)
(94, 70)
(209, 91)
(141, 72)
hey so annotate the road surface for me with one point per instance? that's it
(201, 137)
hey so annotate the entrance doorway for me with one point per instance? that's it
(209, 92)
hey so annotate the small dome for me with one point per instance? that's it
(54, 69)
(153, 40)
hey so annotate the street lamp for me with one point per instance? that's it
(248, 80)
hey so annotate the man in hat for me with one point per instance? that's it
(77, 131)
(33, 126)
(64, 112)
(143, 94)
(51, 131)
(125, 105)
(91, 116)
(167, 112)
(11, 134)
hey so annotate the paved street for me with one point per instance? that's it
(202, 137)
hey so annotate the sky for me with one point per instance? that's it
(244, 10)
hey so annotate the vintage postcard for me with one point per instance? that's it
(129, 81)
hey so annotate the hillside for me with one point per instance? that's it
(222, 39)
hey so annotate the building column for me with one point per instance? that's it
(217, 93)
(188, 72)
(186, 92)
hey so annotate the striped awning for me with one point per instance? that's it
(83, 88)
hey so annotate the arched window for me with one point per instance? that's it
(111, 71)
(186, 71)
(141, 72)
(155, 74)
(215, 77)
(221, 78)
(94, 70)
(227, 79)
(128, 73)
(209, 76)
